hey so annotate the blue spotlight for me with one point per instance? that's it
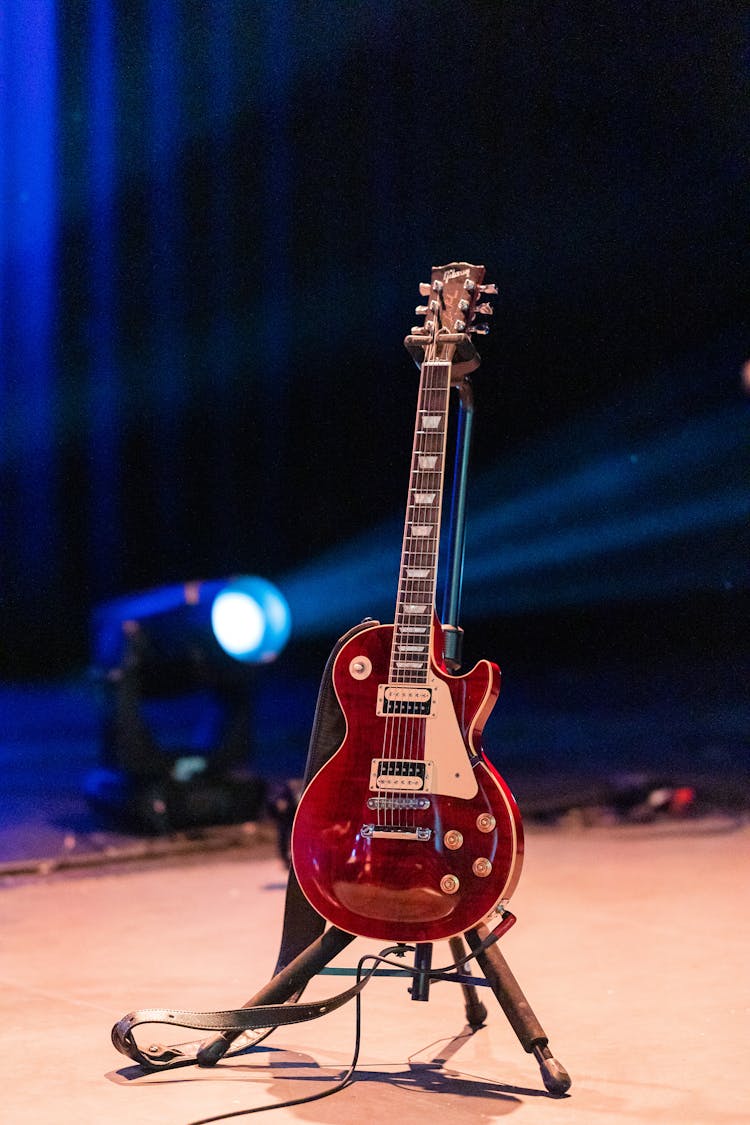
(245, 618)
(251, 620)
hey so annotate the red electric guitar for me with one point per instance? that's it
(408, 833)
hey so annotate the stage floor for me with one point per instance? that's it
(631, 945)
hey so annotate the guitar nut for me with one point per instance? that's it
(486, 822)
(449, 884)
(453, 839)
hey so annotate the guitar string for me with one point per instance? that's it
(422, 554)
(393, 733)
(432, 444)
(408, 734)
(394, 726)
(412, 562)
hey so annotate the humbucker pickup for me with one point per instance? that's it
(400, 774)
(400, 699)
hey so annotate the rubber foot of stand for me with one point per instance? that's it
(476, 1015)
(554, 1075)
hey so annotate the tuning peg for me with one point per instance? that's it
(419, 330)
(424, 288)
(421, 310)
(470, 285)
(490, 290)
(485, 309)
(480, 329)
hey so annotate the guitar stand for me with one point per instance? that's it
(290, 981)
(307, 947)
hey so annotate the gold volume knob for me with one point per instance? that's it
(481, 867)
(453, 839)
(486, 822)
(449, 884)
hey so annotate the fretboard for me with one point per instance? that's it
(412, 634)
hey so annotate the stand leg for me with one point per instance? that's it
(282, 987)
(476, 1013)
(530, 1032)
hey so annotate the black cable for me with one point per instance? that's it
(340, 1085)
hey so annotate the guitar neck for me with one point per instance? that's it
(413, 625)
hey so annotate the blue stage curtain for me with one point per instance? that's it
(30, 378)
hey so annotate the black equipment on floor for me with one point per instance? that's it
(176, 704)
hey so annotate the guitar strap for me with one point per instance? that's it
(302, 925)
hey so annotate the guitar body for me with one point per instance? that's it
(408, 833)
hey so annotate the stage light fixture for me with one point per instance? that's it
(176, 666)
(245, 617)
(251, 620)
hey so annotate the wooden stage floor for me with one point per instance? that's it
(631, 945)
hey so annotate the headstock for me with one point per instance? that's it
(456, 297)
(455, 293)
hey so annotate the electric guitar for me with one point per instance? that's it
(408, 833)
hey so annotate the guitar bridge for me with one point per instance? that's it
(400, 774)
(393, 832)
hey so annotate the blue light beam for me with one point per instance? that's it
(652, 519)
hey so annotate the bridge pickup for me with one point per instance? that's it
(398, 699)
(401, 775)
(392, 832)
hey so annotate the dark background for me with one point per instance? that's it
(216, 216)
